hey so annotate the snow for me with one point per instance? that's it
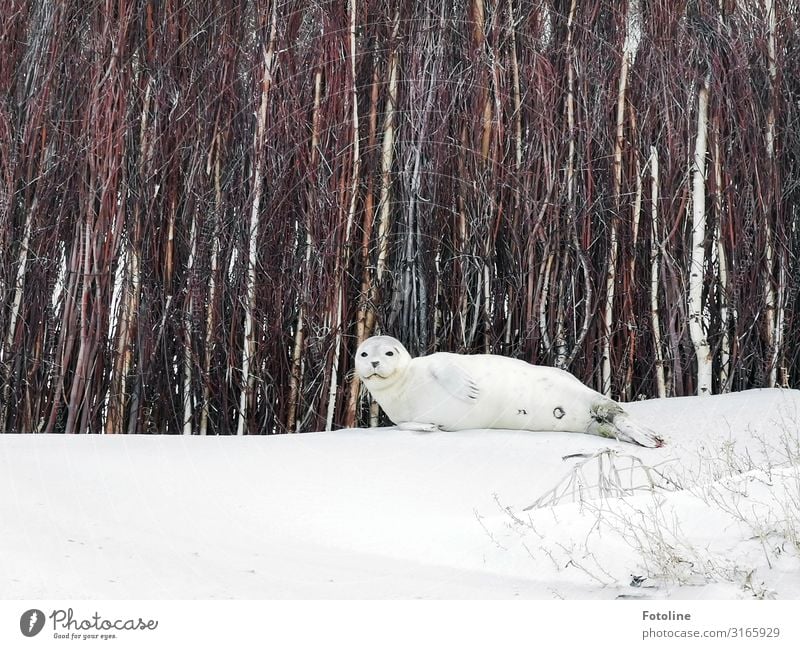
(384, 513)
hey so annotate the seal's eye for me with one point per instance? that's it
(363, 354)
(390, 353)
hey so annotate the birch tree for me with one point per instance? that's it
(774, 312)
(698, 314)
(632, 37)
(259, 141)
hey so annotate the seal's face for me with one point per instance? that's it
(380, 359)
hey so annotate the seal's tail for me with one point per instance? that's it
(610, 420)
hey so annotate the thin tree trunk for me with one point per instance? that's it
(560, 338)
(384, 202)
(212, 292)
(698, 316)
(633, 330)
(387, 160)
(79, 378)
(718, 248)
(16, 303)
(117, 397)
(295, 376)
(188, 325)
(134, 297)
(774, 299)
(655, 246)
(259, 141)
(67, 333)
(611, 273)
(544, 273)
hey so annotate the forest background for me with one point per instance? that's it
(206, 205)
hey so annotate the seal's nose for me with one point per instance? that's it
(375, 363)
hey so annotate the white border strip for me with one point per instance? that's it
(405, 624)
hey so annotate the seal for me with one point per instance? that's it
(450, 392)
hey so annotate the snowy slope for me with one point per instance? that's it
(384, 513)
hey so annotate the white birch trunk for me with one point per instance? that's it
(252, 257)
(19, 281)
(611, 275)
(487, 307)
(387, 157)
(655, 317)
(187, 335)
(560, 337)
(773, 73)
(779, 327)
(16, 304)
(627, 389)
(608, 319)
(632, 37)
(774, 301)
(544, 273)
(698, 316)
(334, 383)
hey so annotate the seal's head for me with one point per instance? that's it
(380, 361)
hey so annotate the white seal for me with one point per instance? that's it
(456, 392)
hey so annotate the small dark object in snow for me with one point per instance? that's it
(637, 581)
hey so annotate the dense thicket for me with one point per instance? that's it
(204, 206)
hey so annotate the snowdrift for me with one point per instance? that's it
(383, 513)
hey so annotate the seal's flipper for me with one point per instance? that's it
(627, 430)
(454, 380)
(610, 420)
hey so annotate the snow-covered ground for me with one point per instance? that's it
(384, 513)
